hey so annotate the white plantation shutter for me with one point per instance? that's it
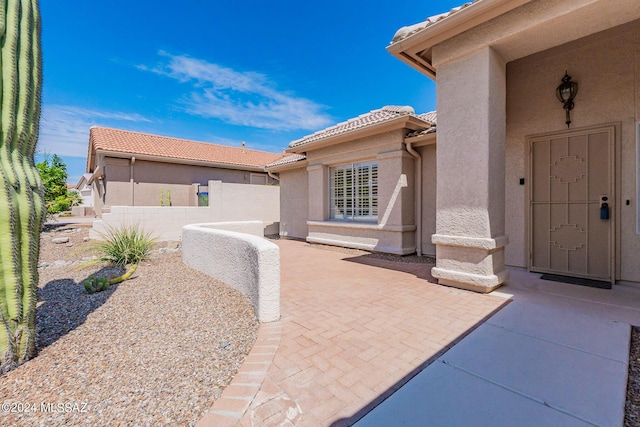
(353, 192)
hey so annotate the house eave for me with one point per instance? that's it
(421, 140)
(407, 121)
(415, 50)
(287, 166)
(152, 158)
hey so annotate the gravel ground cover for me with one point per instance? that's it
(155, 350)
(632, 408)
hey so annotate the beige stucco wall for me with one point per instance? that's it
(394, 231)
(246, 202)
(117, 173)
(246, 262)
(294, 203)
(227, 202)
(149, 178)
(429, 180)
(606, 67)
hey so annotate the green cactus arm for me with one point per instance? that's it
(9, 86)
(8, 271)
(125, 276)
(21, 202)
(9, 258)
(31, 206)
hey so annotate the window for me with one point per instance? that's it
(258, 179)
(353, 192)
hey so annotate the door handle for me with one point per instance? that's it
(604, 208)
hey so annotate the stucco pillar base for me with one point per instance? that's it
(471, 263)
(468, 281)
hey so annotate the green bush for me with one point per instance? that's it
(124, 246)
(58, 198)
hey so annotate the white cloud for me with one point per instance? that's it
(64, 130)
(240, 98)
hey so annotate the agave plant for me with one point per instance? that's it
(21, 192)
(125, 246)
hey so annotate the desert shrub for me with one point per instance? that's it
(126, 245)
(58, 198)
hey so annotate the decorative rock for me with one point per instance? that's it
(173, 244)
(59, 240)
(85, 239)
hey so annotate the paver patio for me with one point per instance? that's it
(353, 330)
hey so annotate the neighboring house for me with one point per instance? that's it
(357, 184)
(137, 169)
(517, 185)
(85, 190)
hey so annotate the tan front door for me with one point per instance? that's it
(571, 190)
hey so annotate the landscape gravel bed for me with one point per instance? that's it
(155, 350)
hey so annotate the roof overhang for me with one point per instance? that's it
(287, 166)
(421, 140)
(518, 28)
(97, 174)
(415, 50)
(401, 122)
(151, 158)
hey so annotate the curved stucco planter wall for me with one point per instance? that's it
(239, 258)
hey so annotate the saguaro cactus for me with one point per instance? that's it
(21, 192)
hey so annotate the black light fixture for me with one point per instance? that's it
(566, 92)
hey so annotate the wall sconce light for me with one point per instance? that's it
(566, 92)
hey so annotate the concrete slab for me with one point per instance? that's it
(545, 372)
(445, 396)
(622, 303)
(569, 326)
(556, 355)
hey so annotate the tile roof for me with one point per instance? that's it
(430, 117)
(122, 141)
(410, 30)
(288, 159)
(373, 117)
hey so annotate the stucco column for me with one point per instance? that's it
(469, 239)
(193, 194)
(215, 200)
(395, 188)
(318, 192)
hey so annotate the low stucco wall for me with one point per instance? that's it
(227, 202)
(245, 262)
(254, 228)
(163, 223)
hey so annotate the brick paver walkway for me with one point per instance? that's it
(353, 330)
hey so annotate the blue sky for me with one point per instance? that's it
(222, 72)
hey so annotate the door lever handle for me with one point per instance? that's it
(604, 210)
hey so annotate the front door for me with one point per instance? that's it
(571, 218)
